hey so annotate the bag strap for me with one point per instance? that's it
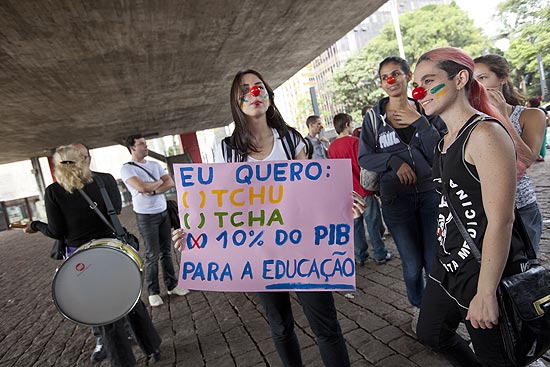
(231, 155)
(137, 165)
(374, 125)
(289, 145)
(460, 226)
(116, 227)
(530, 252)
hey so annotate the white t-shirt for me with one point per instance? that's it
(278, 152)
(143, 203)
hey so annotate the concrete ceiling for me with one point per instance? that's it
(96, 71)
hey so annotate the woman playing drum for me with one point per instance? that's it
(70, 218)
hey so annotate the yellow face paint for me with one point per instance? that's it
(438, 88)
(244, 102)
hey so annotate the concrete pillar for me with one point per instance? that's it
(38, 176)
(52, 169)
(190, 145)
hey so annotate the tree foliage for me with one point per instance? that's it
(357, 84)
(305, 109)
(527, 24)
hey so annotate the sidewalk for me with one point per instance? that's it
(214, 329)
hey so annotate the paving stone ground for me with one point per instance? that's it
(214, 329)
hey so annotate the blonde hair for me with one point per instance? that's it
(71, 168)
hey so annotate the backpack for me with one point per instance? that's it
(290, 140)
(371, 180)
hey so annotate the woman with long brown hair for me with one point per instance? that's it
(493, 72)
(261, 134)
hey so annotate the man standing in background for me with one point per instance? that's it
(147, 181)
(319, 143)
(346, 146)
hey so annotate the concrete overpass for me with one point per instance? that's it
(97, 71)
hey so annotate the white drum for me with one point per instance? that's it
(99, 284)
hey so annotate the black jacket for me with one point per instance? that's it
(70, 216)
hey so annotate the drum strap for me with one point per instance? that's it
(116, 227)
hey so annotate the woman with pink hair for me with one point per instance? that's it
(475, 170)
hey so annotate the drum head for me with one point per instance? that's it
(97, 286)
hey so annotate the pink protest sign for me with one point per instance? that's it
(267, 226)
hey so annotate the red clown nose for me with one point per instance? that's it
(255, 91)
(418, 93)
(390, 80)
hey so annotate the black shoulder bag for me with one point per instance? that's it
(171, 205)
(120, 232)
(523, 299)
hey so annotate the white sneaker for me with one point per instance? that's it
(179, 292)
(537, 363)
(414, 321)
(155, 300)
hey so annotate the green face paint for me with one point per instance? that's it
(437, 88)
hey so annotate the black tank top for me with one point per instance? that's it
(455, 267)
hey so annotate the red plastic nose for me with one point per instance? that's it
(390, 80)
(418, 93)
(255, 91)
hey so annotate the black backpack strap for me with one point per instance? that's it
(288, 145)
(137, 165)
(229, 151)
(291, 138)
(375, 124)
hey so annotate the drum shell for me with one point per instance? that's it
(99, 284)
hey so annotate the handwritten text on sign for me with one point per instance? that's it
(267, 226)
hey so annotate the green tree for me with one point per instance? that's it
(305, 109)
(356, 83)
(527, 24)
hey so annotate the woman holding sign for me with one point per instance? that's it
(261, 134)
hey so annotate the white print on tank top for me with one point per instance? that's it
(459, 255)
(442, 226)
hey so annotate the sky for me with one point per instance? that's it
(482, 12)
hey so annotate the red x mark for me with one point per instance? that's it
(196, 241)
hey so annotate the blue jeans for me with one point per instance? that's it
(155, 230)
(320, 312)
(373, 219)
(532, 220)
(412, 222)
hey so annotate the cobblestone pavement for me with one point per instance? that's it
(213, 329)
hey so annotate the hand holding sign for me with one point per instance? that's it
(178, 237)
